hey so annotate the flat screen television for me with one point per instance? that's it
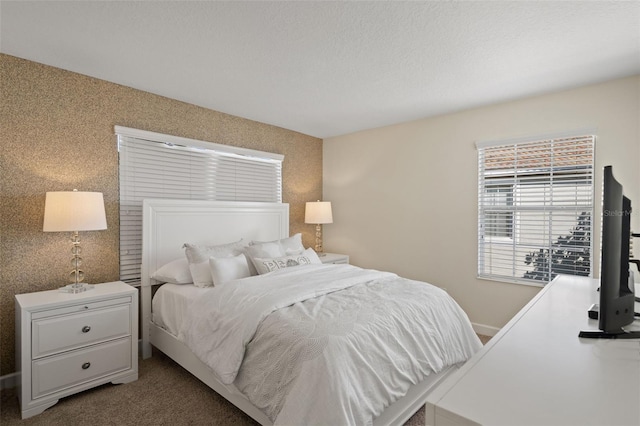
(617, 299)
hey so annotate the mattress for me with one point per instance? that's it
(170, 304)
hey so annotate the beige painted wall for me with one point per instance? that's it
(405, 196)
(56, 130)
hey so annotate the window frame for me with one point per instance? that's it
(499, 164)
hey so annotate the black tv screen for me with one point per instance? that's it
(617, 298)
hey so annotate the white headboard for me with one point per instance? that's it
(168, 224)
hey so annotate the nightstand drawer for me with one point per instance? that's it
(63, 371)
(65, 332)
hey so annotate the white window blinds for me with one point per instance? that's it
(535, 209)
(154, 165)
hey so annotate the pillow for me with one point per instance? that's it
(224, 269)
(292, 245)
(175, 272)
(262, 250)
(265, 250)
(198, 257)
(270, 249)
(264, 265)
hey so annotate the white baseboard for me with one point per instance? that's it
(9, 381)
(485, 330)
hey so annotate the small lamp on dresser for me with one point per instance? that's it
(318, 213)
(67, 211)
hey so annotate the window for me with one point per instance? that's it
(154, 165)
(498, 217)
(535, 209)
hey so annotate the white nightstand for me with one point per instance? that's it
(334, 258)
(67, 343)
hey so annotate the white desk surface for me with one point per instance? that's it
(536, 371)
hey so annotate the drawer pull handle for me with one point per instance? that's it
(86, 329)
(86, 365)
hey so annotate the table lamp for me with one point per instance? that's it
(67, 211)
(318, 212)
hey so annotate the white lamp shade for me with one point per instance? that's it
(74, 211)
(318, 212)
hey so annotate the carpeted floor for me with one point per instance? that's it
(164, 394)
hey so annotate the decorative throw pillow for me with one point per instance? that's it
(224, 269)
(307, 257)
(198, 257)
(175, 272)
(276, 248)
(262, 250)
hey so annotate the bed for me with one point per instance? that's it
(171, 319)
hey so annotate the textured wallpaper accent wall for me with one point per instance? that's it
(56, 130)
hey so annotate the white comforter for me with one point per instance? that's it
(327, 344)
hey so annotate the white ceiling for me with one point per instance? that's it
(331, 68)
